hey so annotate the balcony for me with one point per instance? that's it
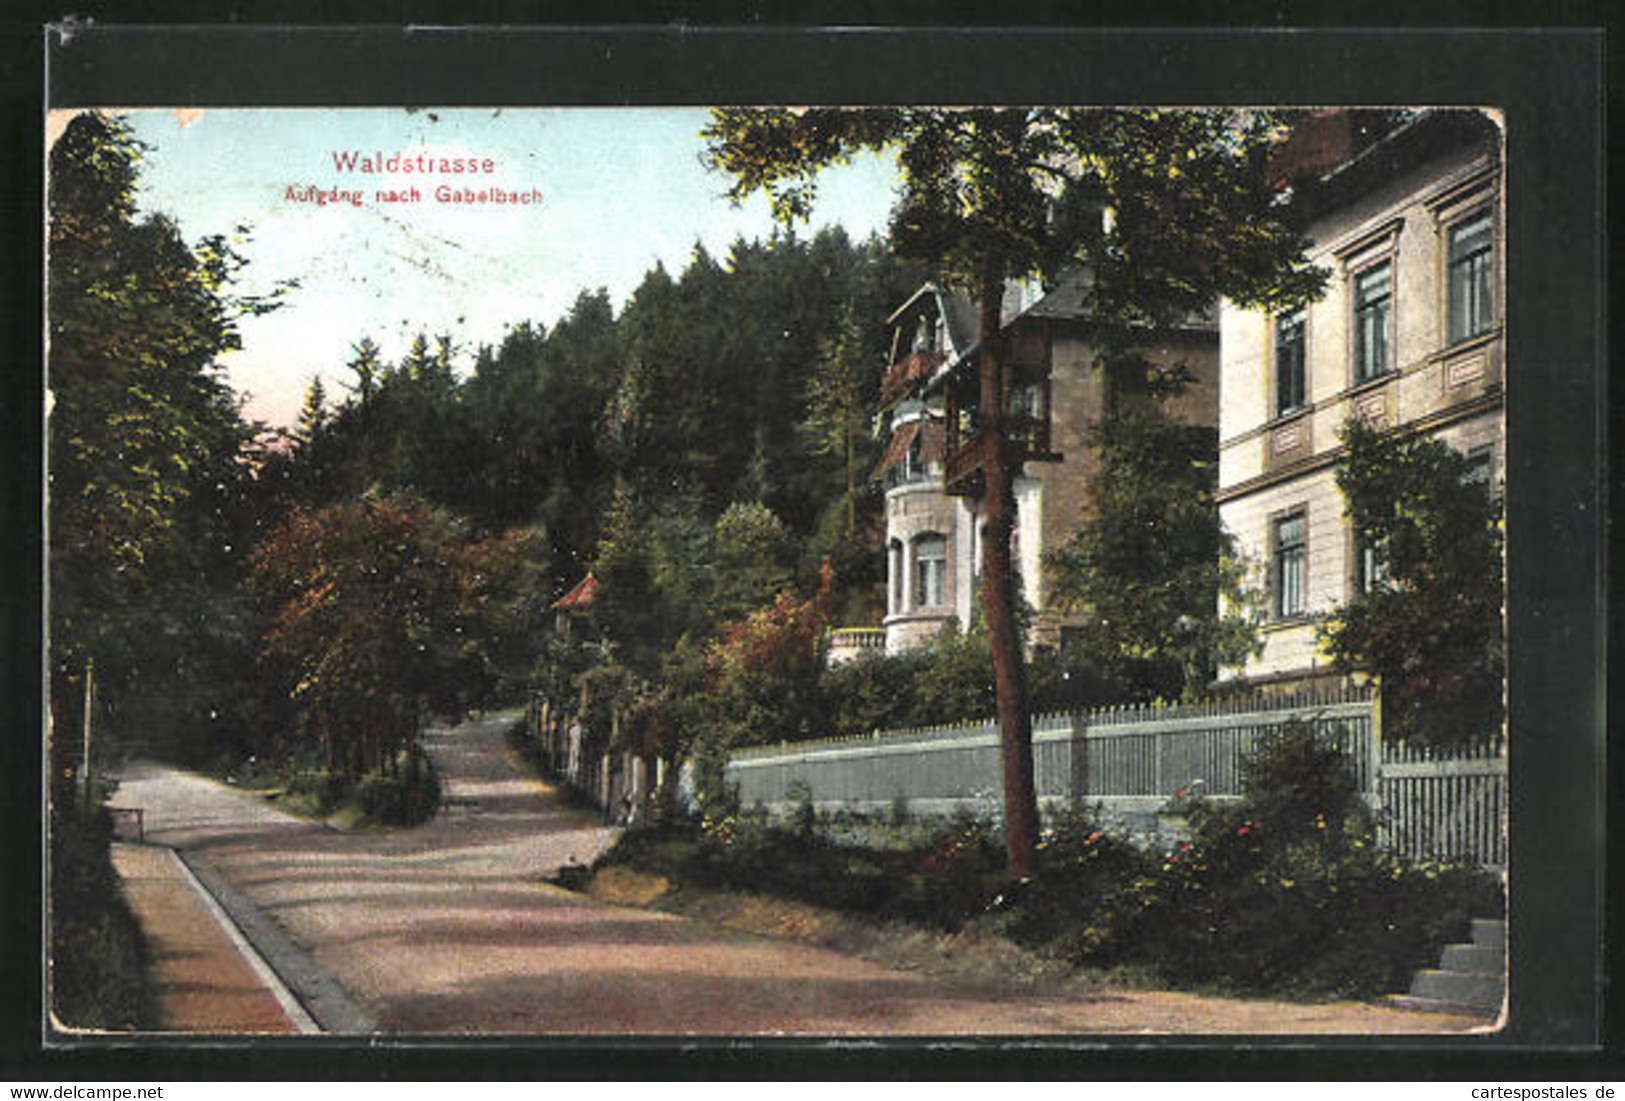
(906, 374)
(1029, 442)
(849, 643)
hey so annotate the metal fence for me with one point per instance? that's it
(1129, 761)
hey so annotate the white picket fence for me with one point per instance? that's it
(1130, 761)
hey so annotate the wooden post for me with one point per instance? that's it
(84, 764)
(1156, 775)
(1375, 749)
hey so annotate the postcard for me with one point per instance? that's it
(867, 572)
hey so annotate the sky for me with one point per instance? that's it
(620, 189)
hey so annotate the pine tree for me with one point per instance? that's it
(313, 413)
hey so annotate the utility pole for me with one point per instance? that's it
(84, 764)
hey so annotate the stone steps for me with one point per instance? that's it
(1470, 978)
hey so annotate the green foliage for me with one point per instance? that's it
(378, 610)
(1430, 628)
(150, 515)
(1083, 870)
(717, 799)
(656, 569)
(956, 684)
(873, 691)
(99, 975)
(753, 556)
(317, 789)
(1196, 215)
(948, 682)
(935, 877)
(1285, 891)
(1069, 679)
(407, 795)
(1149, 568)
(763, 674)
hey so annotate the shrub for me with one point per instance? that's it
(99, 976)
(955, 683)
(408, 796)
(1082, 869)
(952, 875)
(940, 879)
(324, 789)
(1285, 891)
(873, 691)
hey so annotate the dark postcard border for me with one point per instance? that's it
(1549, 86)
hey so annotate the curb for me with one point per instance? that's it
(322, 1005)
(295, 1012)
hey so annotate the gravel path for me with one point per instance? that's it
(449, 928)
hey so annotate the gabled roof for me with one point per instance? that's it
(955, 306)
(580, 598)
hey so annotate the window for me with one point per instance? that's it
(1289, 566)
(1481, 469)
(1370, 566)
(1373, 310)
(894, 575)
(1289, 363)
(930, 563)
(1468, 278)
(913, 461)
(923, 334)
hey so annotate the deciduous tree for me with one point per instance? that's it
(1429, 623)
(146, 444)
(1149, 567)
(988, 195)
(368, 616)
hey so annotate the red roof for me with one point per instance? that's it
(933, 444)
(579, 598)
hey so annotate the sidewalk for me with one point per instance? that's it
(205, 983)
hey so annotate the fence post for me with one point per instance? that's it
(1385, 831)
(1159, 788)
(1079, 772)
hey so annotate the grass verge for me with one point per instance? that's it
(971, 961)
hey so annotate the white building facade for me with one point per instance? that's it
(1408, 335)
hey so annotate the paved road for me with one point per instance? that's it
(449, 928)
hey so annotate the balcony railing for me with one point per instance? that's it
(1028, 441)
(846, 643)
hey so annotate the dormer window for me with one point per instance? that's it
(923, 335)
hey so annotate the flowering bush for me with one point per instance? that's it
(1286, 891)
(1280, 892)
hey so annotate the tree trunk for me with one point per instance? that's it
(851, 493)
(998, 595)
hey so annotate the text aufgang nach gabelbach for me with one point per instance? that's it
(472, 184)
